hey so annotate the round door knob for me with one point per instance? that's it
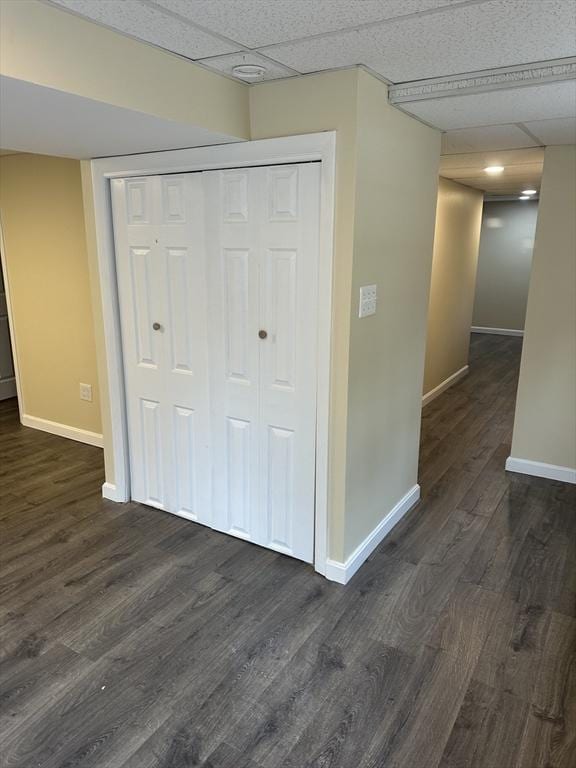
(156, 326)
(262, 334)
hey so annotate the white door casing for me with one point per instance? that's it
(98, 176)
(7, 372)
(158, 226)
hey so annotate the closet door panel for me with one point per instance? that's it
(262, 247)
(232, 261)
(185, 335)
(140, 275)
(159, 235)
(289, 240)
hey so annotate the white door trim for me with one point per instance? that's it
(290, 149)
(4, 268)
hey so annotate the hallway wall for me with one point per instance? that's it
(396, 192)
(545, 419)
(456, 239)
(47, 268)
(504, 263)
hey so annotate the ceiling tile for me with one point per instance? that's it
(151, 25)
(513, 175)
(517, 105)
(262, 22)
(226, 63)
(560, 131)
(509, 159)
(461, 38)
(522, 169)
(485, 138)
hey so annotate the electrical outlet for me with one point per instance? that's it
(368, 297)
(86, 392)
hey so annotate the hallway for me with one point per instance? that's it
(158, 643)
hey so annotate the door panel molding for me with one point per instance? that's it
(268, 152)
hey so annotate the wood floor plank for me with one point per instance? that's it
(459, 635)
(500, 546)
(49, 673)
(271, 728)
(360, 706)
(487, 731)
(224, 756)
(551, 727)
(513, 649)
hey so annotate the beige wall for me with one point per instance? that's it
(45, 253)
(306, 105)
(396, 189)
(545, 421)
(504, 262)
(46, 46)
(456, 239)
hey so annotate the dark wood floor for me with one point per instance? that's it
(133, 639)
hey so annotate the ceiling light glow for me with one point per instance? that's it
(529, 191)
(494, 170)
(524, 197)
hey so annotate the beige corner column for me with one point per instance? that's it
(544, 440)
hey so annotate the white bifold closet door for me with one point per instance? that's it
(262, 262)
(222, 396)
(158, 227)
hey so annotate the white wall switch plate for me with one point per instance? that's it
(86, 392)
(368, 297)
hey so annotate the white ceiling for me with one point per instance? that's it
(459, 38)
(522, 170)
(514, 105)
(559, 131)
(72, 126)
(399, 40)
(489, 137)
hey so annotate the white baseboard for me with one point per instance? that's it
(62, 430)
(8, 389)
(450, 381)
(539, 469)
(497, 331)
(343, 572)
(110, 491)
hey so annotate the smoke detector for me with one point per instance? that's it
(248, 71)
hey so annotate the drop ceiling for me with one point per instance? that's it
(522, 53)
(522, 170)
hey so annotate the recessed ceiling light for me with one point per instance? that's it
(529, 191)
(494, 170)
(524, 197)
(248, 71)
